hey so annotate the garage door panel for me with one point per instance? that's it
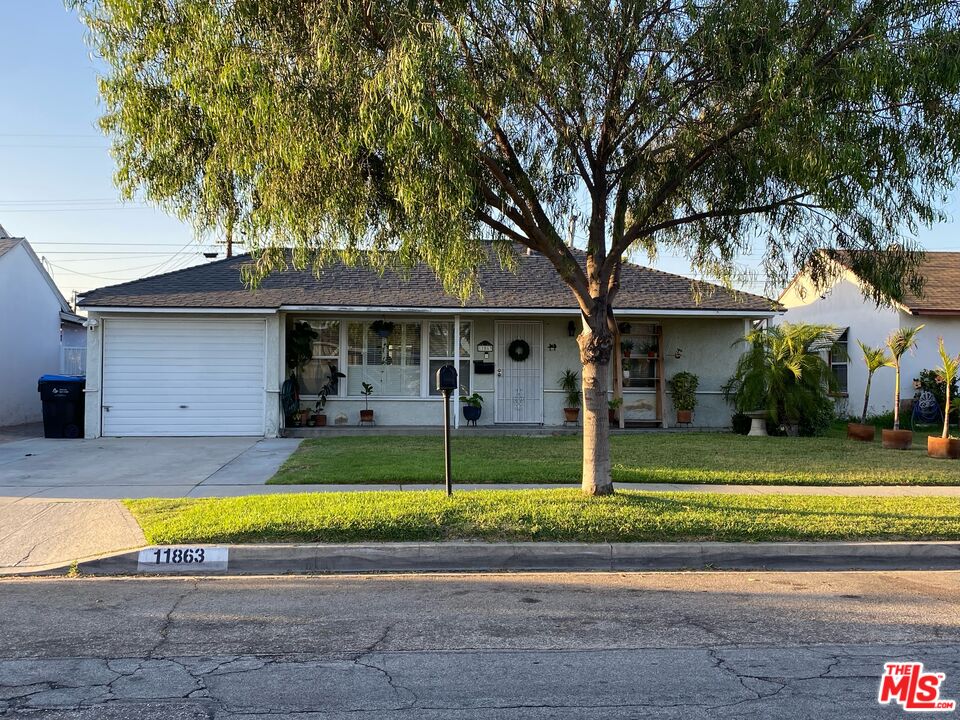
(183, 377)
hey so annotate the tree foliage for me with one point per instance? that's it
(416, 129)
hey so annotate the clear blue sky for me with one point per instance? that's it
(56, 181)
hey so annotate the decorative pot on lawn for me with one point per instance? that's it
(943, 448)
(897, 439)
(366, 416)
(320, 420)
(571, 414)
(861, 432)
(471, 413)
(684, 417)
(758, 423)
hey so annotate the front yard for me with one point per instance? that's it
(716, 458)
(559, 515)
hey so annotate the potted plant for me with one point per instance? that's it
(613, 406)
(570, 384)
(874, 358)
(299, 351)
(626, 347)
(366, 415)
(780, 379)
(652, 350)
(898, 343)
(382, 328)
(945, 446)
(472, 407)
(683, 389)
(329, 387)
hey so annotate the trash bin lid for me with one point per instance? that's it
(63, 378)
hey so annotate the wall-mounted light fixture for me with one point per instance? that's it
(679, 353)
(572, 329)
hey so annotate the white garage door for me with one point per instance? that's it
(183, 377)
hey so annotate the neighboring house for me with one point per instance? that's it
(39, 333)
(843, 305)
(193, 352)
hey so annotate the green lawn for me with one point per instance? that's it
(560, 514)
(637, 458)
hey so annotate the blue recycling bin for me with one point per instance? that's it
(62, 398)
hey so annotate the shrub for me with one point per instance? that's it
(779, 373)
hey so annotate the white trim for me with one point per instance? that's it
(560, 312)
(450, 312)
(183, 311)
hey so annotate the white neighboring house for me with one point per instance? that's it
(858, 318)
(39, 334)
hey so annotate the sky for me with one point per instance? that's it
(56, 174)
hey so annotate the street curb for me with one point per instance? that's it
(549, 556)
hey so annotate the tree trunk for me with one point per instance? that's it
(866, 399)
(896, 399)
(596, 344)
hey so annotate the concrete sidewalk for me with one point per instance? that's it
(59, 499)
(116, 468)
(40, 533)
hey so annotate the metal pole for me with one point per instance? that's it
(446, 441)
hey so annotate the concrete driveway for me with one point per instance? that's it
(115, 468)
(59, 499)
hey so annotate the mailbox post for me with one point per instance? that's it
(446, 384)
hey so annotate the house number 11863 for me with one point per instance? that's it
(182, 559)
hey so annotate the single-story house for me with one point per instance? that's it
(844, 305)
(39, 333)
(194, 352)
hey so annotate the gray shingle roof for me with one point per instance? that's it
(7, 244)
(534, 285)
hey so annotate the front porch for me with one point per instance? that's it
(513, 363)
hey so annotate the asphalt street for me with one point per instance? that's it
(587, 645)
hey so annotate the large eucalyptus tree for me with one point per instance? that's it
(406, 131)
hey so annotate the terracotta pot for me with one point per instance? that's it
(321, 420)
(612, 417)
(684, 416)
(863, 433)
(366, 416)
(571, 414)
(897, 439)
(943, 448)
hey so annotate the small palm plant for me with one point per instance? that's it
(899, 342)
(949, 365)
(874, 359)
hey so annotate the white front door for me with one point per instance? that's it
(519, 386)
(184, 376)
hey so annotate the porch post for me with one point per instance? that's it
(456, 364)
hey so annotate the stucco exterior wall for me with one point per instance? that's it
(29, 336)
(707, 347)
(844, 305)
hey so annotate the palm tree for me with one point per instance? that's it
(874, 358)
(779, 373)
(947, 371)
(898, 343)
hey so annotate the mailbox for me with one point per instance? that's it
(447, 378)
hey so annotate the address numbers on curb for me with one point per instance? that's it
(182, 558)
